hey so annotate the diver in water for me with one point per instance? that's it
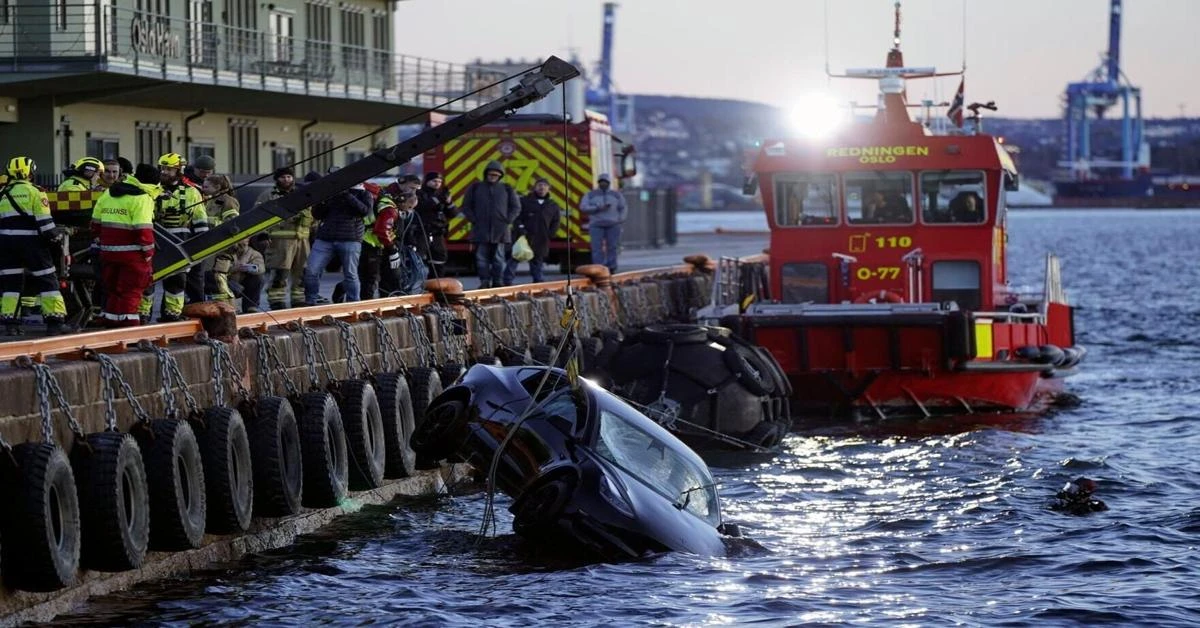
(1076, 498)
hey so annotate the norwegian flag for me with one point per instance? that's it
(955, 112)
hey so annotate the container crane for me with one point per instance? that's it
(601, 95)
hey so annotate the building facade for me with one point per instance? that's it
(255, 85)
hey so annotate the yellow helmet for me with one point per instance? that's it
(21, 168)
(171, 160)
(89, 163)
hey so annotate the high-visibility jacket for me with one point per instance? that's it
(24, 210)
(75, 184)
(123, 218)
(181, 211)
(380, 232)
(296, 228)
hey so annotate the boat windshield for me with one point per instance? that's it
(808, 200)
(879, 197)
(953, 197)
(659, 465)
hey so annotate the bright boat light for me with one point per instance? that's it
(817, 115)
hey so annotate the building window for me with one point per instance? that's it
(153, 141)
(281, 36)
(354, 39)
(318, 151)
(61, 9)
(282, 156)
(6, 7)
(202, 33)
(318, 46)
(241, 32)
(199, 149)
(381, 46)
(808, 200)
(355, 155)
(243, 146)
(103, 146)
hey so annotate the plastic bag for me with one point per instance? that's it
(522, 252)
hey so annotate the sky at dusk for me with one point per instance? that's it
(1020, 53)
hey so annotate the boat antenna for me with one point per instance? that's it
(964, 36)
(828, 76)
(896, 32)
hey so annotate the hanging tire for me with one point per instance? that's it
(425, 385)
(753, 379)
(767, 434)
(363, 423)
(488, 360)
(275, 458)
(537, 510)
(433, 439)
(611, 341)
(228, 472)
(679, 334)
(514, 356)
(41, 520)
(451, 372)
(175, 476)
(543, 355)
(114, 502)
(591, 353)
(323, 450)
(395, 408)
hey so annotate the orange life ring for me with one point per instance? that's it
(879, 296)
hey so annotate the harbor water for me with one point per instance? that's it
(920, 523)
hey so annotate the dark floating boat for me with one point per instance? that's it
(585, 469)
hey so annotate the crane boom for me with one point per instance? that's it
(1113, 63)
(173, 255)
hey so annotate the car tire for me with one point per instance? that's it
(176, 482)
(275, 457)
(431, 440)
(114, 502)
(395, 408)
(41, 520)
(323, 450)
(228, 474)
(537, 510)
(362, 421)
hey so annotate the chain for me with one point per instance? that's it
(585, 314)
(314, 349)
(268, 341)
(353, 352)
(425, 351)
(446, 329)
(480, 325)
(218, 374)
(561, 301)
(170, 376)
(622, 305)
(388, 345)
(539, 318)
(110, 372)
(263, 355)
(513, 317)
(606, 309)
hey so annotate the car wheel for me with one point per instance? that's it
(537, 511)
(432, 438)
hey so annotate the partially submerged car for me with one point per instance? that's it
(583, 467)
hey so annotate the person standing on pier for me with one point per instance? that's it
(491, 206)
(540, 217)
(124, 220)
(607, 210)
(26, 233)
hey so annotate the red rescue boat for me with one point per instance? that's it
(888, 279)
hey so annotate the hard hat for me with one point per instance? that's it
(21, 168)
(89, 163)
(171, 160)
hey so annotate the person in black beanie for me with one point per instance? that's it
(434, 209)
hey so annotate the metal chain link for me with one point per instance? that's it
(483, 319)
(314, 349)
(561, 301)
(268, 341)
(621, 314)
(446, 330)
(425, 351)
(585, 314)
(513, 317)
(218, 375)
(480, 325)
(606, 309)
(110, 372)
(388, 345)
(353, 352)
(539, 318)
(172, 364)
(262, 354)
(234, 372)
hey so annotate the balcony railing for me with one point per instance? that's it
(40, 37)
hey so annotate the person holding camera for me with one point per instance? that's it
(435, 210)
(607, 210)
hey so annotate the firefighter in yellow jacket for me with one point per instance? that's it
(289, 250)
(180, 211)
(83, 176)
(26, 233)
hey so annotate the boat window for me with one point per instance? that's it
(957, 281)
(658, 465)
(806, 200)
(879, 197)
(953, 197)
(805, 283)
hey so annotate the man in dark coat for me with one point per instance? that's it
(435, 210)
(339, 234)
(540, 217)
(491, 206)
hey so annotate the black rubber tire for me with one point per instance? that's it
(275, 457)
(41, 519)
(680, 334)
(488, 360)
(591, 353)
(611, 340)
(451, 372)
(175, 475)
(767, 434)
(537, 509)
(114, 502)
(395, 408)
(425, 385)
(782, 386)
(228, 471)
(363, 422)
(323, 450)
(752, 378)
(514, 356)
(432, 440)
(543, 355)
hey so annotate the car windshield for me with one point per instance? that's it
(657, 464)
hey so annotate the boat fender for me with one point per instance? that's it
(432, 439)
(751, 377)
(1071, 357)
(41, 519)
(424, 383)
(175, 477)
(228, 479)
(679, 334)
(1028, 352)
(363, 422)
(879, 296)
(275, 457)
(451, 372)
(396, 412)
(1051, 354)
(537, 510)
(322, 449)
(591, 352)
(766, 434)
(114, 502)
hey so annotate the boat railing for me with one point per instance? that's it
(1011, 317)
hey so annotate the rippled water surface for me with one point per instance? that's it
(908, 524)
